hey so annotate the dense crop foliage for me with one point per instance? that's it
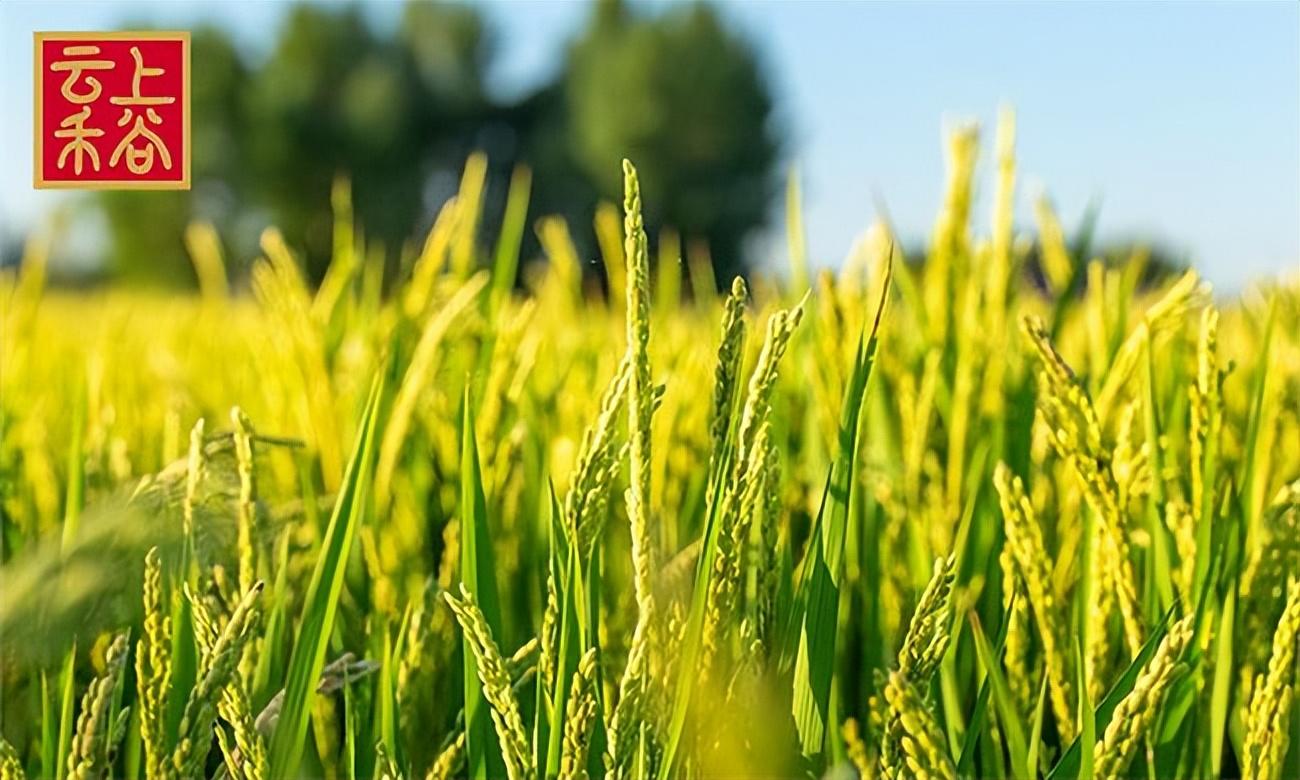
(903, 520)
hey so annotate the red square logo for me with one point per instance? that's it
(112, 110)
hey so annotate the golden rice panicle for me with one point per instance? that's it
(386, 767)
(215, 673)
(1274, 556)
(630, 712)
(909, 746)
(919, 748)
(580, 712)
(735, 517)
(743, 491)
(1182, 524)
(548, 634)
(928, 633)
(1016, 654)
(640, 389)
(1057, 265)
(11, 767)
(246, 508)
(1136, 713)
(497, 688)
(769, 542)
(855, 748)
(1075, 435)
(193, 478)
(1025, 541)
(1162, 317)
(153, 667)
(1268, 720)
(632, 707)
(99, 730)
(449, 760)
(758, 402)
(1132, 461)
(949, 256)
(1206, 414)
(235, 707)
(597, 465)
(1065, 404)
(726, 374)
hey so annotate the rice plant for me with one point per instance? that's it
(1004, 510)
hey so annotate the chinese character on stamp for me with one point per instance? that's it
(112, 110)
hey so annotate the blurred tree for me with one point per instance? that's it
(684, 99)
(145, 228)
(399, 113)
(332, 98)
(335, 99)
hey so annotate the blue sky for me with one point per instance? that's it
(1182, 118)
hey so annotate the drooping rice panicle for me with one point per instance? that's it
(856, 748)
(736, 516)
(1162, 317)
(1016, 656)
(1268, 720)
(153, 667)
(921, 749)
(580, 713)
(928, 633)
(1075, 434)
(449, 760)
(220, 666)
(11, 768)
(1025, 541)
(99, 728)
(1136, 713)
(492, 672)
(758, 398)
(911, 743)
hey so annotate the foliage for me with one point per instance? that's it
(397, 113)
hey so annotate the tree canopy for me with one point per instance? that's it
(398, 112)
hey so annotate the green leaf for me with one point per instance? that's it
(506, 266)
(1086, 742)
(1036, 732)
(814, 667)
(67, 683)
(1075, 757)
(185, 662)
(980, 713)
(1252, 482)
(478, 573)
(76, 493)
(1008, 714)
(795, 235)
(321, 604)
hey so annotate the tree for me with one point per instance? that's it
(146, 228)
(399, 113)
(685, 100)
(335, 99)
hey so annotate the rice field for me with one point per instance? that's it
(1001, 511)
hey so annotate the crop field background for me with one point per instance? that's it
(1001, 511)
